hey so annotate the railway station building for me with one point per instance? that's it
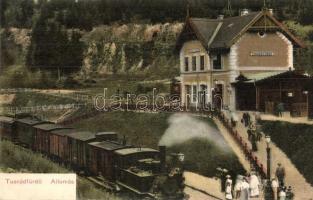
(244, 62)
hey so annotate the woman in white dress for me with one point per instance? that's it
(228, 192)
(228, 188)
(237, 188)
(254, 185)
(245, 194)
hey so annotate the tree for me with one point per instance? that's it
(48, 44)
(52, 47)
(75, 51)
(305, 15)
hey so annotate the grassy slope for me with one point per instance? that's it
(16, 159)
(139, 128)
(146, 129)
(296, 141)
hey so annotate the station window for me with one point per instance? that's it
(186, 64)
(188, 89)
(194, 93)
(217, 62)
(194, 63)
(201, 62)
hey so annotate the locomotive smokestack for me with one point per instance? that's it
(162, 150)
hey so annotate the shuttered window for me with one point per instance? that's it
(201, 62)
(217, 62)
(186, 64)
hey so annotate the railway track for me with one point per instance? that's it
(193, 196)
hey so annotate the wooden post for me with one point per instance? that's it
(59, 74)
(256, 98)
(280, 91)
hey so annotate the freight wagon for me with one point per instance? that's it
(25, 131)
(79, 154)
(59, 148)
(102, 158)
(42, 136)
(6, 128)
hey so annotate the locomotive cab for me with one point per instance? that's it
(143, 171)
(137, 168)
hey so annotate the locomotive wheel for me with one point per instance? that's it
(170, 187)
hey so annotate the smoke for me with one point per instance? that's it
(183, 127)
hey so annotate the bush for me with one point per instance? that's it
(19, 76)
(68, 82)
(18, 158)
(204, 157)
(310, 35)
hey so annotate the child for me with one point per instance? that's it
(228, 192)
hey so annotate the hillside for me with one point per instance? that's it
(142, 49)
(131, 48)
(121, 37)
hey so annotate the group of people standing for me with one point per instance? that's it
(280, 191)
(251, 187)
(245, 187)
(254, 132)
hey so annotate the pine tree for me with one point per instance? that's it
(75, 51)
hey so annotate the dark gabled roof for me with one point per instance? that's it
(220, 33)
(231, 28)
(6, 119)
(30, 121)
(205, 28)
(82, 135)
(108, 145)
(223, 33)
(49, 126)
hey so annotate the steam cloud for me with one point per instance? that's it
(183, 127)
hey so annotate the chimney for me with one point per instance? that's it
(271, 11)
(124, 140)
(220, 17)
(244, 12)
(162, 150)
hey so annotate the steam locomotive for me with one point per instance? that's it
(143, 171)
